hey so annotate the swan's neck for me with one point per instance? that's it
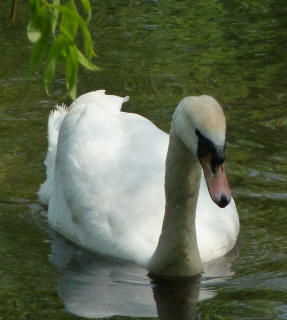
(177, 251)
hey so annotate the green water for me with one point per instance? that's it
(157, 52)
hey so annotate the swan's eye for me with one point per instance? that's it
(205, 145)
(218, 158)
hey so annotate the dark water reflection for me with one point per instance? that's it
(156, 52)
(92, 286)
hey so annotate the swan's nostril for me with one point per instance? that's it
(224, 201)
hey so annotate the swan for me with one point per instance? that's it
(119, 186)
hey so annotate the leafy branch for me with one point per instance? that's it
(53, 28)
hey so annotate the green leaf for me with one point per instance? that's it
(74, 18)
(38, 52)
(55, 16)
(87, 8)
(56, 52)
(34, 34)
(38, 23)
(34, 6)
(69, 23)
(88, 43)
(72, 71)
(39, 48)
(86, 63)
(67, 33)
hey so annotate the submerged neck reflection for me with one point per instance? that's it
(96, 287)
(177, 298)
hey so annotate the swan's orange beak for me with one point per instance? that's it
(216, 181)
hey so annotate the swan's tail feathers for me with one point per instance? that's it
(54, 124)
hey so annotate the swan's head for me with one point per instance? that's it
(200, 123)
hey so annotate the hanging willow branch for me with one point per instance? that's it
(53, 29)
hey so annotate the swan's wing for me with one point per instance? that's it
(110, 173)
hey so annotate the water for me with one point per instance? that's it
(156, 52)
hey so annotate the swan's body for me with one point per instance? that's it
(105, 184)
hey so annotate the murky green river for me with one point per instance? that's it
(156, 52)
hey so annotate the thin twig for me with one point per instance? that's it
(13, 12)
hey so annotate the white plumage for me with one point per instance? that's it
(105, 183)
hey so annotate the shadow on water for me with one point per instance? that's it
(94, 287)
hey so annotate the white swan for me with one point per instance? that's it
(106, 183)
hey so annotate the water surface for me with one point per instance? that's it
(156, 52)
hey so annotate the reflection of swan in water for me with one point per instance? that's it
(94, 287)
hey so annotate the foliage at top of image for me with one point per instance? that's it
(53, 29)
